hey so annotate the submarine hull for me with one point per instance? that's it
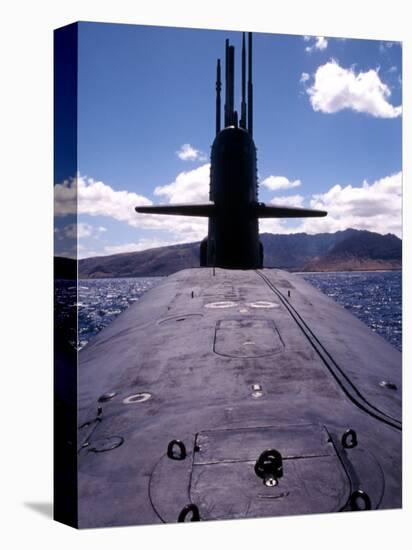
(183, 392)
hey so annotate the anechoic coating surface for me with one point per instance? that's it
(242, 357)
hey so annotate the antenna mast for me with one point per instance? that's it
(218, 89)
(250, 88)
(243, 105)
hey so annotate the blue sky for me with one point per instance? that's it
(327, 126)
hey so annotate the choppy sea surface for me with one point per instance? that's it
(93, 305)
(102, 300)
(374, 297)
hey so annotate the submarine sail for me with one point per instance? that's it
(234, 209)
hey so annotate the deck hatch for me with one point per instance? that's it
(224, 483)
(247, 443)
(247, 338)
(218, 474)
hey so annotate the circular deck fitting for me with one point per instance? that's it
(137, 398)
(179, 318)
(221, 305)
(359, 500)
(270, 481)
(106, 397)
(191, 509)
(263, 305)
(257, 391)
(388, 385)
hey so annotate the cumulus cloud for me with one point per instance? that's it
(81, 230)
(190, 186)
(373, 206)
(274, 183)
(383, 46)
(277, 226)
(304, 77)
(336, 88)
(319, 43)
(83, 195)
(291, 200)
(95, 198)
(77, 230)
(187, 152)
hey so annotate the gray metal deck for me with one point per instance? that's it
(229, 364)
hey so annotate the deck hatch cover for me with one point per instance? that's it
(224, 484)
(247, 338)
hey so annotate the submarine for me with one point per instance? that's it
(231, 390)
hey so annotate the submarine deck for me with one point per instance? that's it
(232, 363)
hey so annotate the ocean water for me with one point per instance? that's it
(96, 304)
(102, 300)
(374, 297)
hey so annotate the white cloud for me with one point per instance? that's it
(190, 186)
(279, 182)
(375, 207)
(187, 152)
(83, 195)
(291, 200)
(304, 77)
(81, 230)
(74, 230)
(320, 43)
(336, 88)
(383, 46)
(95, 198)
(275, 225)
(84, 230)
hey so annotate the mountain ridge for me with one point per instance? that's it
(350, 249)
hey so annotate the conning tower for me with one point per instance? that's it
(234, 210)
